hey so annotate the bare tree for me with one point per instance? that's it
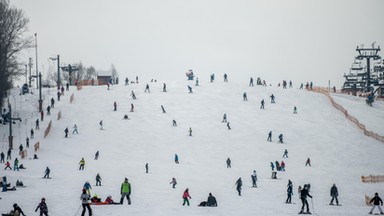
(91, 72)
(114, 72)
(13, 24)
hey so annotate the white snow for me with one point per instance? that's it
(340, 153)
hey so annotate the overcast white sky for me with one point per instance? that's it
(298, 40)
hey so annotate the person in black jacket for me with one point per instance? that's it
(376, 202)
(334, 194)
(289, 192)
(43, 207)
(239, 184)
(211, 201)
(303, 196)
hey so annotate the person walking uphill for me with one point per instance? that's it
(125, 191)
(43, 207)
(376, 202)
(85, 203)
(186, 196)
(239, 184)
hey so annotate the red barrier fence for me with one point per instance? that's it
(46, 132)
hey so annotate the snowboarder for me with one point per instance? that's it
(85, 203)
(334, 195)
(190, 89)
(303, 196)
(75, 129)
(97, 155)
(262, 104)
(308, 162)
(173, 182)
(269, 136)
(228, 163)
(176, 159)
(125, 191)
(245, 96)
(114, 106)
(133, 95)
(190, 131)
(186, 196)
(47, 171)
(98, 180)
(162, 108)
(43, 207)
(81, 164)
(285, 153)
(272, 98)
(66, 132)
(254, 178)
(101, 124)
(281, 138)
(224, 117)
(174, 123)
(289, 192)
(376, 202)
(239, 184)
(146, 167)
(164, 87)
(147, 88)
(211, 201)
(225, 77)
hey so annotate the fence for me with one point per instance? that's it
(23, 154)
(37, 146)
(372, 179)
(72, 98)
(348, 116)
(46, 132)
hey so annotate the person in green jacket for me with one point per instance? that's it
(125, 191)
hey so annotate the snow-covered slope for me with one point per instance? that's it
(339, 152)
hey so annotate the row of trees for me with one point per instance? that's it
(13, 25)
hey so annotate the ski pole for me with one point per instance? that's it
(78, 210)
(313, 207)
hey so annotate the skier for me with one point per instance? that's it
(303, 196)
(174, 123)
(251, 81)
(47, 171)
(285, 153)
(190, 131)
(132, 108)
(228, 163)
(376, 202)
(262, 104)
(224, 117)
(43, 207)
(164, 87)
(125, 191)
(7, 165)
(66, 132)
(146, 88)
(52, 103)
(75, 129)
(186, 196)
(173, 182)
(97, 155)
(87, 187)
(254, 178)
(98, 180)
(176, 159)
(289, 192)
(101, 124)
(239, 184)
(114, 106)
(245, 96)
(308, 162)
(211, 201)
(2, 156)
(294, 110)
(162, 108)
(82, 164)
(334, 194)
(133, 95)
(37, 124)
(146, 168)
(85, 203)
(269, 136)
(272, 98)
(48, 110)
(281, 138)
(225, 77)
(190, 89)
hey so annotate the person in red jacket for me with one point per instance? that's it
(186, 196)
(8, 165)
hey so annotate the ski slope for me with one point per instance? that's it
(339, 152)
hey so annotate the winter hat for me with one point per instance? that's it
(126, 179)
(84, 190)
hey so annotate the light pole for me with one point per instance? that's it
(58, 70)
(26, 73)
(30, 72)
(36, 60)
(38, 80)
(10, 138)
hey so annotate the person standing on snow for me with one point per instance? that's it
(186, 196)
(87, 186)
(97, 155)
(281, 138)
(225, 77)
(82, 164)
(303, 196)
(114, 106)
(262, 104)
(289, 192)
(334, 194)
(269, 136)
(224, 117)
(190, 131)
(272, 98)
(254, 178)
(285, 153)
(239, 184)
(146, 88)
(173, 182)
(125, 191)
(98, 180)
(75, 129)
(376, 203)
(176, 159)
(43, 207)
(66, 131)
(245, 96)
(308, 162)
(162, 108)
(85, 203)
(47, 171)
(228, 163)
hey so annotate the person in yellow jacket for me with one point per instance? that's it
(125, 191)
(81, 163)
